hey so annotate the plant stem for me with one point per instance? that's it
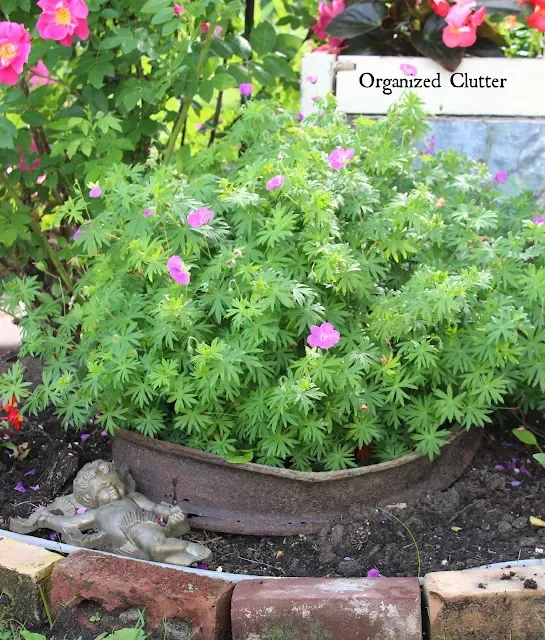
(184, 109)
(35, 226)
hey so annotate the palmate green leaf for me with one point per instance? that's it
(430, 440)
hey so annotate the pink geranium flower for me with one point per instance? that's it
(338, 158)
(199, 217)
(246, 89)
(408, 69)
(312, 79)
(95, 191)
(39, 75)
(539, 220)
(374, 573)
(218, 31)
(300, 116)
(275, 183)
(326, 12)
(62, 20)
(77, 233)
(147, 213)
(178, 9)
(41, 179)
(500, 177)
(324, 336)
(177, 270)
(14, 51)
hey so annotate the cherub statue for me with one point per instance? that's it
(126, 522)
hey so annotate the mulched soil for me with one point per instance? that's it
(483, 518)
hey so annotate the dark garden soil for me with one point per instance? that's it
(483, 518)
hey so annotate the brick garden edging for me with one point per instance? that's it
(483, 604)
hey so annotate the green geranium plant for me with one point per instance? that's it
(334, 296)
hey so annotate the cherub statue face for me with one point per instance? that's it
(98, 483)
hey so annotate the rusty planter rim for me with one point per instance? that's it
(254, 467)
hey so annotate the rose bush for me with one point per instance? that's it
(86, 84)
(363, 304)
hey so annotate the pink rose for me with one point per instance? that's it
(14, 51)
(62, 20)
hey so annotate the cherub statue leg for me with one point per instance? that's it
(42, 518)
(160, 548)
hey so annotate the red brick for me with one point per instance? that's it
(486, 604)
(117, 586)
(327, 609)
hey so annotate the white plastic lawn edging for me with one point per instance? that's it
(229, 577)
(502, 87)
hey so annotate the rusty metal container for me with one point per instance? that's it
(258, 500)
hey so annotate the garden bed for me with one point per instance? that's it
(481, 519)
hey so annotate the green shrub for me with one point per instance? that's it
(434, 280)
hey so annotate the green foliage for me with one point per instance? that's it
(426, 270)
(146, 81)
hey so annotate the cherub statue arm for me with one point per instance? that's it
(177, 524)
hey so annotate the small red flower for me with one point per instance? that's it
(14, 417)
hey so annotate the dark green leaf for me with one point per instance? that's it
(153, 6)
(221, 48)
(34, 118)
(288, 44)
(8, 133)
(240, 46)
(357, 19)
(263, 38)
(429, 42)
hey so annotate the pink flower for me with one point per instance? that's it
(300, 117)
(539, 220)
(218, 31)
(20, 487)
(459, 36)
(275, 183)
(461, 29)
(177, 271)
(36, 487)
(315, 98)
(81, 510)
(323, 336)
(147, 213)
(326, 13)
(39, 75)
(408, 69)
(338, 158)
(204, 27)
(312, 79)
(246, 89)
(537, 18)
(85, 436)
(515, 483)
(54, 536)
(41, 178)
(459, 13)
(178, 9)
(500, 177)
(499, 467)
(62, 20)
(440, 7)
(199, 217)
(32, 472)
(198, 126)
(431, 146)
(14, 51)
(374, 573)
(77, 233)
(95, 192)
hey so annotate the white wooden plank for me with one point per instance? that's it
(316, 65)
(523, 92)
